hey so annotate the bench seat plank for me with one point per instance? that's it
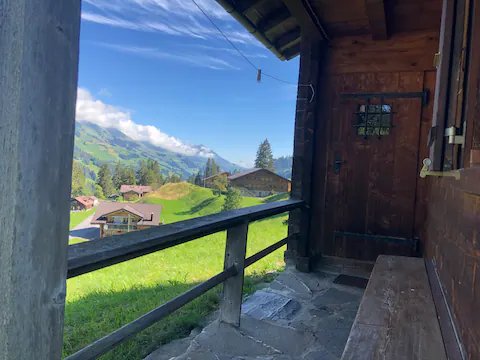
(397, 319)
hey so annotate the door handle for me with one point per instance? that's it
(337, 164)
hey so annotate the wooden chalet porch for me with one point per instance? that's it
(383, 85)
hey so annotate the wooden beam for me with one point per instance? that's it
(291, 52)
(273, 20)
(39, 43)
(289, 39)
(376, 17)
(304, 18)
(246, 5)
(97, 254)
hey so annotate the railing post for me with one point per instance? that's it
(235, 250)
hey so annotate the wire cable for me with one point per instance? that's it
(239, 51)
(224, 35)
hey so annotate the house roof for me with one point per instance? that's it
(219, 174)
(150, 214)
(251, 171)
(139, 189)
(86, 200)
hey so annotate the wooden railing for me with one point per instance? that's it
(98, 254)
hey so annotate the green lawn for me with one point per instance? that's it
(76, 217)
(104, 300)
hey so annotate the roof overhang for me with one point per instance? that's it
(281, 24)
(273, 22)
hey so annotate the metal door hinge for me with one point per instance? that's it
(454, 136)
(436, 59)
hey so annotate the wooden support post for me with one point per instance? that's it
(39, 43)
(298, 248)
(377, 18)
(235, 250)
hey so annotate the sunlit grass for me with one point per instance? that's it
(76, 217)
(104, 300)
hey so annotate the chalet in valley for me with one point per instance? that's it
(383, 244)
(117, 218)
(83, 203)
(209, 182)
(134, 192)
(259, 182)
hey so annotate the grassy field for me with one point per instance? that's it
(76, 217)
(102, 301)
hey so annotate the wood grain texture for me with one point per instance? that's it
(373, 191)
(402, 52)
(235, 249)
(452, 231)
(39, 46)
(397, 318)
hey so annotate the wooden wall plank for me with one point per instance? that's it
(403, 52)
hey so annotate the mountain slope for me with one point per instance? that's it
(283, 166)
(95, 145)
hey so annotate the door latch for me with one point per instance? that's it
(425, 171)
(337, 165)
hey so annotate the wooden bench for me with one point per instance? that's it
(397, 319)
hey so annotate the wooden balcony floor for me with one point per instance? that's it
(298, 316)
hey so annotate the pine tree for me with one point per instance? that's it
(211, 168)
(78, 179)
(173, 178)
(142, 173)
(117, 175)
(148, 173)
(233, 199)
(105, 180)
(198, 179)
(98, 192)
(128, 176)
(264, 159)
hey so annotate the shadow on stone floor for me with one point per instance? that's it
(298, 316)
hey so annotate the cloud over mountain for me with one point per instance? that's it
(104, 115)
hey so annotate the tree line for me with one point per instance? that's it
(148, 172)
(109, 179)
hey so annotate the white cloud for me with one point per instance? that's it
(97, 112)
(171, 17)
(194, 59)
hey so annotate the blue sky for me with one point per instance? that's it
(160, 72)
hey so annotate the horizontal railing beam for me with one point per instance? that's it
(96, 254)
(261, 254)
(110, 341)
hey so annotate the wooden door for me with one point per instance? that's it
(372, 167)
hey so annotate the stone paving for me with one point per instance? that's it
(298, 316)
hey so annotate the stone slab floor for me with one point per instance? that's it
(298, 316)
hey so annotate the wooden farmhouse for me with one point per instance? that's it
(134, 192)
(117, 218)
(259, 182)
(209, 182)
(83, 203)
(386, 177)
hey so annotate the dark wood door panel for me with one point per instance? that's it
(371, 180)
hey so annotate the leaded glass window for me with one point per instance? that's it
(374, 120)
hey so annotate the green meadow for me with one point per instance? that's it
(104, 300)
(76, 217)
